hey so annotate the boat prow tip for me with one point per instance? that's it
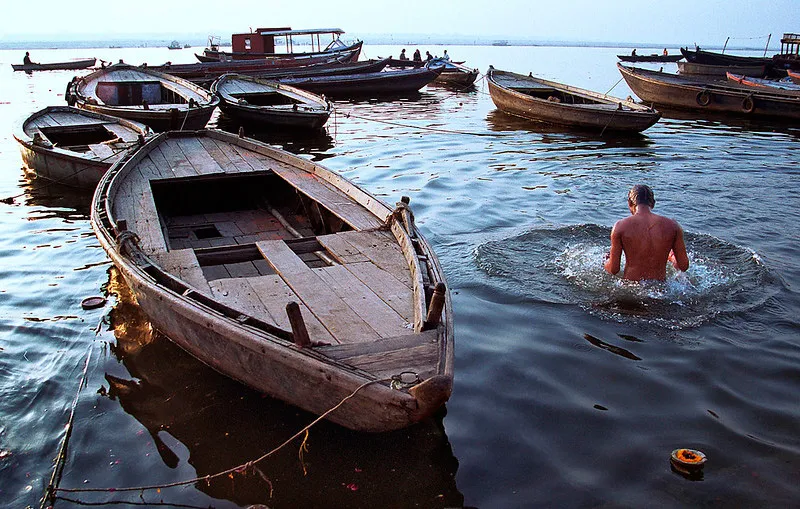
(432, 394)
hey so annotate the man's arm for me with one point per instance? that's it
(615, 254)
(678, 256)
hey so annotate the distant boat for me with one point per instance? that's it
(500, 43)
(699, 56)
(263, 41)
(650, 58)
(75, 147)
(694, 68)
(454, 73)
(555, 103)
(270, 103)
(174, 45)
(69, 65)
(158, 100)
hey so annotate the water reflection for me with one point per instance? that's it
(55, 201)
(732, 122)
(565, 265)
(223, 424)
(315, 143)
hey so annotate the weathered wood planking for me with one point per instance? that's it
(183, 264)
(392, 291)
(176, 159)
(383, 250)
(217, 155)
(342, 322)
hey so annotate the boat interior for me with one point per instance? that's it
(135, 93)
(266, 98)
(80, 133)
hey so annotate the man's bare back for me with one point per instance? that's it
(648, 240)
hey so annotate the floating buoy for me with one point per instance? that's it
(93, 302)
(687, 461)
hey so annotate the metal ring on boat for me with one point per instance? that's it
(748, 105)
(703, 98)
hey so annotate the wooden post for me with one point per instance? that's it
(241, 132)
(299, 331)
(435, 309)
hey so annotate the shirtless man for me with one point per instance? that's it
(648, 240)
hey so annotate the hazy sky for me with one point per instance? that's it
(678, 21)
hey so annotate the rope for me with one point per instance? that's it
(240, 468)
(419, 128)
(615, 85)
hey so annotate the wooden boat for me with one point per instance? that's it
(75, 147)
(650, 58)
(174, 45)
(794, 76)
(261, 44)
(694, 93)
(555, 103)
(393, 82)
(69, 65)
(158, 100)
(453, 73)
(282, 275)
(699, 56)
(396, 62)
(720, 70)
(789, 56)
(763, 83)
(270, 103)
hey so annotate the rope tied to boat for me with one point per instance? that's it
(402, 381)
(126, 236)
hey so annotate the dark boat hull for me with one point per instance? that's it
(663, 89)
(347, 54)
(359, 85)
(699, 56)
(57, 66)
(650, 58)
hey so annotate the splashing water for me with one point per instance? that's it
(565, 265)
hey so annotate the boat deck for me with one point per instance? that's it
(121, 77)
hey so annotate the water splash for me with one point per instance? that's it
(565, 266)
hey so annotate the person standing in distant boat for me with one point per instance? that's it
(446, 56)
(633, 53)
(403, 55)
(665, 52)
(417, 57)
(648, 240)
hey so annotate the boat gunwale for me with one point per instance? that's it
(321, 106)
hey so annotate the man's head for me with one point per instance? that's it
(641, 194)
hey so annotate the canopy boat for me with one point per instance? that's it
(650, 58)
(174, 45)
(282, 275)
(69, 65)
(789, 57)
(390, 82)
(694, 93)
(555, 103)
(454, 73)
(719, 71)
(699, 56)
(159, 100)
(763, 83)
(75, 147)
(270, 103)
(262, 44)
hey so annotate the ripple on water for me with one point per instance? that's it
(565, 266)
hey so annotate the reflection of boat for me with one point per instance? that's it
(400, 81)
(555, 103)
(454, 73)
(676, 91)
(159, 100)
(253, 234)
(262, 44)
(719, 71)
(314, 144)
(763, 83)
(270, 103)
(83, 63)
(650, 58)
(221, 424)
(75, 147)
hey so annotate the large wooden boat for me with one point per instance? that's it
(719, 71)
(699, 56)
(269, 103)
(282, 275)
(454, 73)
(159, 100)
(763, 83)
(261, 43)
(654, 57)
(74, 147)
(556, 103)
(375, 84)
(69, 65)
(693, 93)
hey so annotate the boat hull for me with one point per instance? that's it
(57, 66)
(650, 58)
(346, 54)
(610, 116)
(366, 84)
(663, 89)
(693, 68)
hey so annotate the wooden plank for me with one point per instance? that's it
(198, 157)
(101, 150)
(161, 163)
(341, 250)
(241, 269)
(213, 150)
(422, 360)
(238, 294)
(122, 132)
(342, 322)
(249, 157)
(183, 264)
(172, 152)
(238, 164)
(366, 304)
(408, 340)
(392, 291)
(382, 249)
(274, 294)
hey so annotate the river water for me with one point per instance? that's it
(572, 388)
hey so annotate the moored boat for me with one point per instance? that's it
(693, 93)
(159, 100)
(390, 82)
(794, 76)
(719, 71)
(555, 103)
(704, 57)
(763, 83)
(75, 147)
(270, 103)
(261, 43)
(453, 73)
(282, 275)
(69, 65)
(650, 58)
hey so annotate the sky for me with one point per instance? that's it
(684, 22)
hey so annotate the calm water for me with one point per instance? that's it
(572, 388)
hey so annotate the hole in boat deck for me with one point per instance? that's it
(77, 138)
(222, 219)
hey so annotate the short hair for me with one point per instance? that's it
(641, 194)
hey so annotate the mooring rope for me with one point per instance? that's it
(423, 128)
(244, 467)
